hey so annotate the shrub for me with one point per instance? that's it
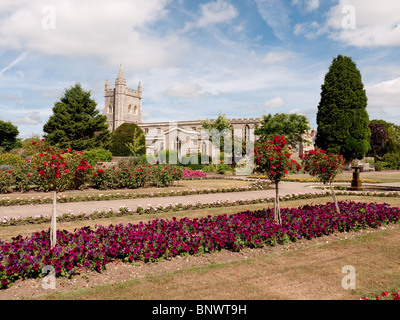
(5, 181)
(391, 161)
(23, 176)
(10, 159)
(97, 155)
(187, 173)
(124, 134)
(60, 170)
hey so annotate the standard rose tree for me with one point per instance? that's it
(272, 158)
(325, 166)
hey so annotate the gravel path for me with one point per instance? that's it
(89, 206)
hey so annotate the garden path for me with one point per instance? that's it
(89, 206)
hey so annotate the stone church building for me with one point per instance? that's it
(124, 105)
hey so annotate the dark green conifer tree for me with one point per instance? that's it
(342, 118)
(76, 123)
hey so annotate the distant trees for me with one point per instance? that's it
(76, 123)
(292, 126)
(8, 136)
(342, 118)
(385, 144)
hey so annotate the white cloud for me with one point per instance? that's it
(213, 13)
(276, 15)
(32, 118)
(307, 5)
(20, 58)
(384, 94)
(186, 90)
(376, 23)
(312, 5)
(278, 56)
(275, 103)
(107, 30)
(216, 12)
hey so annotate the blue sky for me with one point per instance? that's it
(195, 59)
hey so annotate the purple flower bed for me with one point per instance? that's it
(93, 249)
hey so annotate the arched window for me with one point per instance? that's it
(130, 108)
(110, 109)
(178, 145)
(204, 148)
(246, 133)
(135, 110)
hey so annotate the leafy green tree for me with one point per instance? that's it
(219, 128)
(221, 134)
(125, 134)
(76, 123)
(292, 126)
(342, 118)
(136, 146)
(8, 136)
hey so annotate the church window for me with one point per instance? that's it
(247, 133)
(135, 110)
(204, 148)
(110, 109)
(178, 145)
(130, 108)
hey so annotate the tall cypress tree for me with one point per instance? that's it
(342, 118)
(76, 123)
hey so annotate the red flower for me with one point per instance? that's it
(66, 171)
(34, 142)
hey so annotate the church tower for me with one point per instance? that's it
(122, 104)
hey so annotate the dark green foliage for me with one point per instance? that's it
(8, 136)
(124, 134)
(76, 123)
(342, 118)
(390, 161)
(292, 126)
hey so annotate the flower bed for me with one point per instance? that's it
(162, 239)
(193, 174)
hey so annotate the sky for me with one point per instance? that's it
(195, 59)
